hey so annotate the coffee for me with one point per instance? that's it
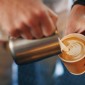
(73, 58)
(75, 47)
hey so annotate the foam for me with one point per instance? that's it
(75, 48)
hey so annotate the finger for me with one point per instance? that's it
(54, 18)
(15, 33)
(47, 24)
(83, 32)
(36, 31)
(25, 32)
(35, 26)
(53, 15)
(70, 28)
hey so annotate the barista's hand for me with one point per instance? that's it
(76, 21)
(26, 18)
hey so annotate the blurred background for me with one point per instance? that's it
(50, 71)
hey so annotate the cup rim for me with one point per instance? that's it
(77, 73)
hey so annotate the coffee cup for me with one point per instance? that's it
(74, 57)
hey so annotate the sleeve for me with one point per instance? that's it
(80, 2)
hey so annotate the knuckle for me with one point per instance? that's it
(27, 21)
(30, 22)
(12, 32)
(41, 13)
(20, 25)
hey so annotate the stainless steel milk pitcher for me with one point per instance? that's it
(27, 51)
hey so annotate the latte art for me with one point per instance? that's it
(72, 47)
(76, 48)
